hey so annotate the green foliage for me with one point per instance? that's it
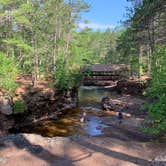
(134, 65)
(157, 93)
(67, 76)
(19, 43)
(19, 106)
(61, 77)
(5, 2)
(8, 72)
(158, 83)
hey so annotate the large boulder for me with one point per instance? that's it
(39, 102)
(130, 87)
(6, 122)
(44, 103)
(6, 104)
(111, 104)
(67, 99)
(125, 103)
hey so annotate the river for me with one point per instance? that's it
(69, 123)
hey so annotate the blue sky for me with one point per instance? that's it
(104, 14)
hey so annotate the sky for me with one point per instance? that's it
(104, 14)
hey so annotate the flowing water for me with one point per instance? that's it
(69, 123)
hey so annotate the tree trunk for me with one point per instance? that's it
(140, 60)
(67, 48)
(34, 61)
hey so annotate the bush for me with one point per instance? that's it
(8, 72)
(67, 76)
(157, 93)
(19, 106)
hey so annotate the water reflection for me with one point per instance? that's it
(91, 96)
(66, 125)
(69, 123)
(94, 126)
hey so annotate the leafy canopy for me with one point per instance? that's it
(8, 72)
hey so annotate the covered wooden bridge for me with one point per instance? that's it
(105, 74)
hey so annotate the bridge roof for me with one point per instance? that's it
(108, 67)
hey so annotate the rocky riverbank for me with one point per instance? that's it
(41, 102)
(125, 103)
(131, 86)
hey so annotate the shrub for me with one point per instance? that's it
(8, 72)
(67, 76)
(19, 106)
(157, 93)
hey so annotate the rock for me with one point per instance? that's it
(39, 102)
(111, 104)
(35, 149)
(45, 103)
(61, 140)
(6, 104)
(5, 124)
(130, 87)
(125, 103)
(67, 100)
(53, 116)
(3, 160)
(161, 158)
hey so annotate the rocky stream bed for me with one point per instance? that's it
(100, 140)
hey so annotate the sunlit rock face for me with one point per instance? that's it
(5, 103)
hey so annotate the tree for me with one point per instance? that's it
(8, 73)
(157, 93)
(36, 33)
(146, 29)
(143, 44)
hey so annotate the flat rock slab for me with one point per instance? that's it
(124, 103)
(35, 150)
